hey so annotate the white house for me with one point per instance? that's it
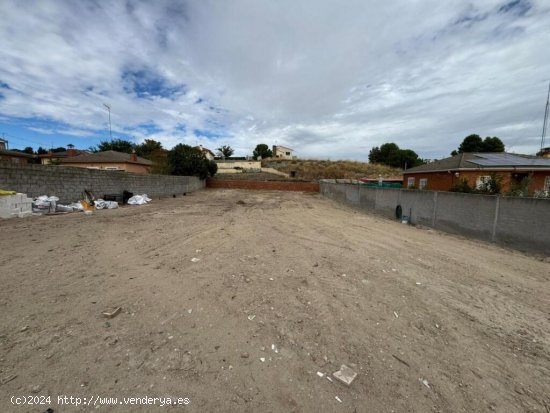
(282, 152)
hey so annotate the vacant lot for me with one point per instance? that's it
(287, 285)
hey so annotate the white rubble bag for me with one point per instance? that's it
(139, 200)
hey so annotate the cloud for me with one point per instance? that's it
(326, 78)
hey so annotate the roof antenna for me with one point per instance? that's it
(545, 119)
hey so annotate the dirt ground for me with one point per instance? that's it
(287, 285)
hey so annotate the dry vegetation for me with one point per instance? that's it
(318, 169)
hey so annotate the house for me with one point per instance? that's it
(281, 152)
(13, 156)
(208, 154)
(57, 157)
(477, 168)
(111, 161)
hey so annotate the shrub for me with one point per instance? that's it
(188, 161)
(462, 186)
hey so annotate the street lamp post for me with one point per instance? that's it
(108, 106)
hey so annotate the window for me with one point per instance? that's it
(111, 168)
(288, 153)
(410, 182)
(482, 180)
(547, 184)
(423, 183)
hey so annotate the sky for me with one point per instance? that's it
(328, 78)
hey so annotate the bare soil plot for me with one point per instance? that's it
(286, 285)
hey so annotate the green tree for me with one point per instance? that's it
(226, 151)
(188, 161)
(390, 154)
(148, 149)
(471, 143)
(28, 150)
(493, 144)
(262, 150)
(474, 143)
(41, 151)
(119, 145)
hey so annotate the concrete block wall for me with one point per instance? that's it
(521, 223)
(17, 205)
(466, 214)
(68, 183)
(524, 222)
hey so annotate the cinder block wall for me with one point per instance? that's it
(520, 223)
(68, 183)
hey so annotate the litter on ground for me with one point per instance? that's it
(113, 313)
(345, 375)
(139, 200)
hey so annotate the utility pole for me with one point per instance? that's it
(108, 106)
(545, 119)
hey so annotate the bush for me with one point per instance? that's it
(185, 160)
(492, 186)
(212, 168)
(462, 186)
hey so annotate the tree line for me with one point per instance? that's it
(390, 154)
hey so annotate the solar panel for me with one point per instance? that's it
(508, 159)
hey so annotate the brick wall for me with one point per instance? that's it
(268, 185)
(520, 223)
(442, 181)
(68, 183)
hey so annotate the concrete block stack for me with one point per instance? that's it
(17, 205)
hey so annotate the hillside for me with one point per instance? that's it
(319, 169)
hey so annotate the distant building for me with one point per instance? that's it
(281, 152)
(57, 157)
(13, 156)
(110, 161)
(207, 153)
(477, 168)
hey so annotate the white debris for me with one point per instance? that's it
(345, 375)
(190, 310)
(251, 317)
(195, 259)
(262, 359)
(424, 382)
(320, 374)
(139, 200)
(274, 348)
(338, 398)
(395, 314)
(417, 283)
(270, 278)
(328, 378)
(101, 204)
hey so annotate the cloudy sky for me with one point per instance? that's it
(328, 78)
